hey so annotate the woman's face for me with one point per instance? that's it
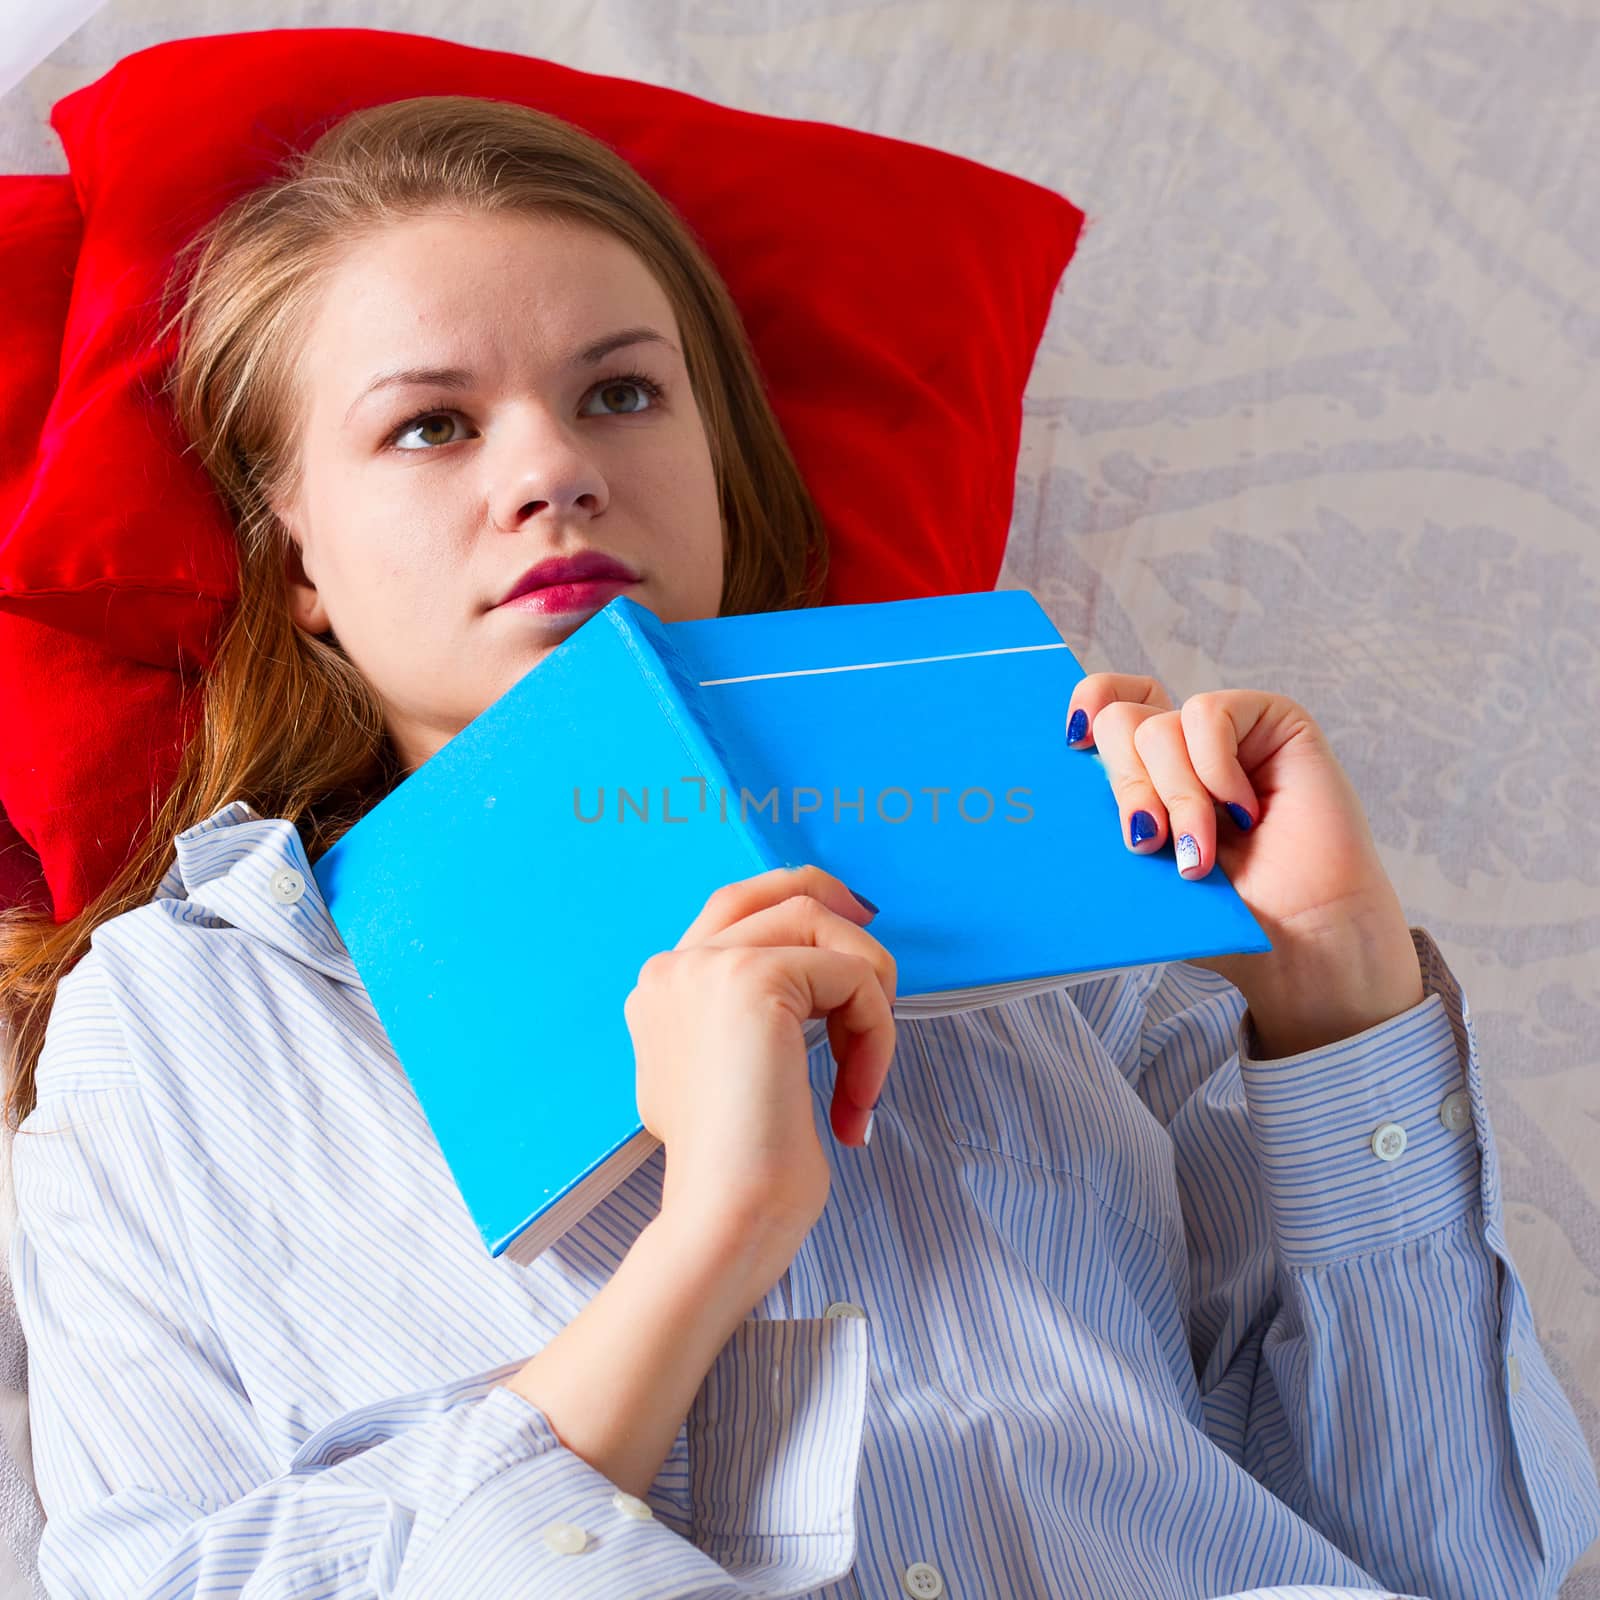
(423, 502)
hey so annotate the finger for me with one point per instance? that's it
(864, 1061)
(1093, 693)
(802, 920)
(1183, 807)
(734, 901)
(1138, 804)
(1226, 727)
(849, 990)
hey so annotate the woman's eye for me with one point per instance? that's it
(606, 390)
(624, 381)
(418, 422)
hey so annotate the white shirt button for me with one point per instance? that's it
(844, 1308)
(1455, 1111)
(1388, 1140)
(287, 886)
(630, 1505)
(565, 1538)
(922, 1581)
(1513, 1373)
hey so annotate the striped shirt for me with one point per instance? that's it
(1107, 1307)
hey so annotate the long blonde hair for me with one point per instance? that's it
(257, 273)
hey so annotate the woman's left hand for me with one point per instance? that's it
(1298, 849)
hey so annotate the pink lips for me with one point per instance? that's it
(587, 568)
(558, 597)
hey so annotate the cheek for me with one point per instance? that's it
(410, 545)
(394, 579)
(701, 495)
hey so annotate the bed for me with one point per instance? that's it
(1316, 410)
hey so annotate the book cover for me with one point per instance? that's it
(499, 903)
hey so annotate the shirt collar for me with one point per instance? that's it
(252, 873)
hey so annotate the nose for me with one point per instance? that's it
(542, 465)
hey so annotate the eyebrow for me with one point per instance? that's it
(461, 378)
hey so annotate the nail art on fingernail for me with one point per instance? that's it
(1188, 853)
(1141, 826)
(1077, 727)
(866, 1138)
(1240, 816)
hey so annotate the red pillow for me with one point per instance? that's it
(40, 226)
(894, 294)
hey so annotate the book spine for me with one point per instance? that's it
(772, 841)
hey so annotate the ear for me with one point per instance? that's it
(306, 609)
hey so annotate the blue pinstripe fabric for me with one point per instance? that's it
(1143, 1315)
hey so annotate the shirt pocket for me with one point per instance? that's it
(1032, 1081)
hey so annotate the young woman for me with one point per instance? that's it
(1187, 1281)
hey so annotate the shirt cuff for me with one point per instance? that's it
(536, 1518)
(1368, 1142)
(775, 1447)
(497, 1504)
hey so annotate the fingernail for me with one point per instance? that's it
(862, 898)
(1188, 853)
(1141, 826)
(1240, 816)
(1077, 727)
(866, 1138)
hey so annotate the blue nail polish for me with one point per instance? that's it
(1077, 727)
(862, 898)
(1141, 826)
(1240, 816)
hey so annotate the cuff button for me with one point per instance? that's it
(630, 1505)
(1455, 1111)
(565, 1538)
(1388, 1141)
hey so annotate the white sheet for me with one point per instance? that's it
(30, 31)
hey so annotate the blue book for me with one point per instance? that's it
(500, 901)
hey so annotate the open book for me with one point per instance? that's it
(500, 902)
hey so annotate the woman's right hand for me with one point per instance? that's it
(717, 1026)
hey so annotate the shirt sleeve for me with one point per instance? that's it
(157, 1477)
(1363, 1342)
